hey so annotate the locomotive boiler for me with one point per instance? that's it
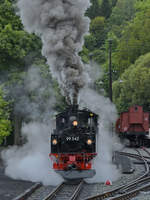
(73, 143)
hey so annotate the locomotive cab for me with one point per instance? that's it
(73, 143)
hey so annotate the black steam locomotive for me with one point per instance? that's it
(73, 143)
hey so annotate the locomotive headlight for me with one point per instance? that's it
(75, 123)
(89, 141)
(91, 114)
(54, 142)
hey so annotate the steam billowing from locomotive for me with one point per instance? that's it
(61, 24)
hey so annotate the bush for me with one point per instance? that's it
(5, 123)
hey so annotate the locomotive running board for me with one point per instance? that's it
(76, 174)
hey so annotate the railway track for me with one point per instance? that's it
(144, 149)
(132, 189)
(65, 191)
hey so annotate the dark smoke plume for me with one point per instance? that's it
(61, 24)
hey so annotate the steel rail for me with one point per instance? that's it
(141, 179)
(144, 149)
(132, 183)
(77, 191)
(132, 155)
(28, 192)
(130, 193)
(54, 192)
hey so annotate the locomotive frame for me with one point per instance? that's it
(73, 143)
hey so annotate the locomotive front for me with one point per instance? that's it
(73, 143)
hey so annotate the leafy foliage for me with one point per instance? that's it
(94, 10)
(105, 8)
(14, 46)
(122, 13)
(127, 23)
(5, 124)
(15, 43)
(7, 15)
(133, 85)
(97, 29)
(135, 41)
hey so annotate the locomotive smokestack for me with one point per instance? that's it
(75, 99)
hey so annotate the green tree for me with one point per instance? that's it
(5, 124)
(17, 50)
(142, 5)
(14, 46)
(135, 41)
(7, 15)
(114, 3)
(94, 10)
(90, 42)
(84, 55)
(105, 8)
(122, 13)
(15, 43)
(133, 85)
(94, 41)
(97, 29)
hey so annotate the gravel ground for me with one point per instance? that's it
(142, 196)
(10, 188)
(94, 189)
(41, 193)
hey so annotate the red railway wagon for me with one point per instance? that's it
(133, 125)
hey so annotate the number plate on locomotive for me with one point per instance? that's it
(72, 138)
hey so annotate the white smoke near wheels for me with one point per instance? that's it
(31, 161)
(105, 138)
(61, 24)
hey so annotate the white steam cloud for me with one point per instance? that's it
(61, 24)
(105, 139)
(33, 102)
(31, 161)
